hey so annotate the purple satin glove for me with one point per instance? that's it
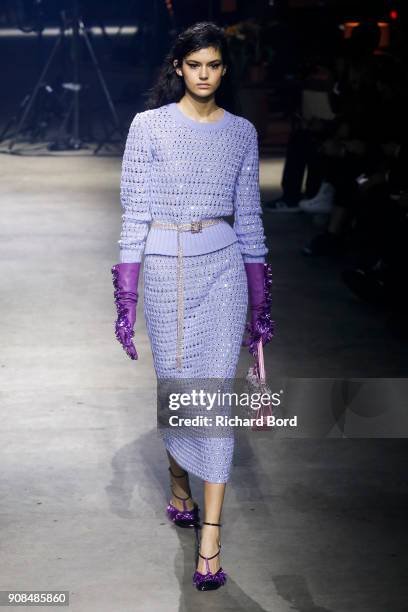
(259, 276)
(125, 281)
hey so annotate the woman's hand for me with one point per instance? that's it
(124, 331)
(261, 327)
(125, 281)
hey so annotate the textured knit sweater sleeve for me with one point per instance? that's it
(135, 192)
(248, 224)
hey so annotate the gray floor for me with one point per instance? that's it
(312, 525)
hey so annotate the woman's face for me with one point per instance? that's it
(202, 71)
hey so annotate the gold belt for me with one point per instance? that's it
(194, 227)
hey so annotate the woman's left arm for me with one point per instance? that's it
(249, 228)
(248, 224)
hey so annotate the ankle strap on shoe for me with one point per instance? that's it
(216, 524)
(178, 475)
(178, 497)
(208, 558)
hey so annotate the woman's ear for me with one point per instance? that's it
(177, 69)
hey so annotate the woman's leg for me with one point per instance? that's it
(210, 535)
(180, 486)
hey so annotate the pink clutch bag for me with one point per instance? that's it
(257, 382)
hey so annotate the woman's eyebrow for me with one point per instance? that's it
(197, 62)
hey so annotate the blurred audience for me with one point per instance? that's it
(363, 147)
(347, 80)
(357, 169)
(381, 233)
(308, 131)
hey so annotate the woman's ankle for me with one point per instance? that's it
(178, 503)
(209, 547)
(180, 488)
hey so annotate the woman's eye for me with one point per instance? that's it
(196, 66)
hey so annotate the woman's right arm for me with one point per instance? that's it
(134, 196)
(135, 192)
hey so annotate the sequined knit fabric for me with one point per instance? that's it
(179, 170)
(216, 297)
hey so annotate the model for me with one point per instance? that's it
(188, 163)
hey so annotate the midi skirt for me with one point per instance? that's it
(215, 294)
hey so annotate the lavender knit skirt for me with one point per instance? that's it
(215, 308)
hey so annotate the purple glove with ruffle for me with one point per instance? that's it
(259, 276)
(125, 282)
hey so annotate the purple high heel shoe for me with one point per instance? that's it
(210, 581)
(183, 518)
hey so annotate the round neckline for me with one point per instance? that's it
(178, 114)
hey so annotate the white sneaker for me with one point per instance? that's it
(321, 203)
(280, 205)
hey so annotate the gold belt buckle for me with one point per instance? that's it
(196, 226)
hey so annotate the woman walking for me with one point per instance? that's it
(187, 163)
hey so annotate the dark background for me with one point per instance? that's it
(281, 37)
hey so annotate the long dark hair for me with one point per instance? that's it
(169, 87)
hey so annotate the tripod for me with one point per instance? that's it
(70, 140)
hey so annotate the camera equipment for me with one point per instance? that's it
(68, 137)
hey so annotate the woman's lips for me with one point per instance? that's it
(202, 85)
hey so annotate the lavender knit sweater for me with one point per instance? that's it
(178, 169)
